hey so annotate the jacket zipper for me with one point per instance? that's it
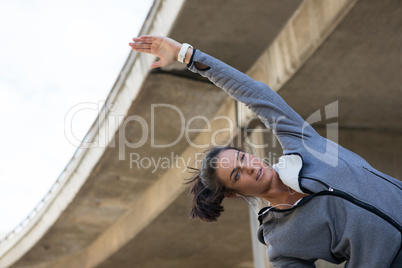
(357, 202)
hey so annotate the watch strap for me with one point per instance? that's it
(183, 51)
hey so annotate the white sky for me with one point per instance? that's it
(53, 55)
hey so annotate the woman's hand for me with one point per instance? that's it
(165, 48)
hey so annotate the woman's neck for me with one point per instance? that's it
(282, 196)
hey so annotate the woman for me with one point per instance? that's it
(326, 202)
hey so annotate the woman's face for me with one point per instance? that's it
(245, 173)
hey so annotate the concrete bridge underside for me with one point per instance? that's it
(110, 213)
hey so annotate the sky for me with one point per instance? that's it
(53, 55)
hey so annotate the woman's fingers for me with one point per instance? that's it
(149, 38)
(146, 39)
(144, 43)
(140, 45)
(163, 47)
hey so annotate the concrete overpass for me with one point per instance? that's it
(107, 211)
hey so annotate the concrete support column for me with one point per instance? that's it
(259, 255)
(259, 250)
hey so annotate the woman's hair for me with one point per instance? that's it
(207, 189)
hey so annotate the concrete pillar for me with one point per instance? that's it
(259, 250)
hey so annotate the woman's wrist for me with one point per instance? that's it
(177, 51)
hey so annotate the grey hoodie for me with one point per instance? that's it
(353, 212)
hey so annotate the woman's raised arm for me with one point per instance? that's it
(275, 113)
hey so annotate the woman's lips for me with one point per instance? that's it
(260, 173)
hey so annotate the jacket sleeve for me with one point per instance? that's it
(274, 112)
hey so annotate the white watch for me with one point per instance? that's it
(183, 51)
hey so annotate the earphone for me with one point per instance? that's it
(256, 207)
(275, 207)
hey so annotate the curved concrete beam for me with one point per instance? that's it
(160, 20)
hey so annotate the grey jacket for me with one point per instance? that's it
(353, 212)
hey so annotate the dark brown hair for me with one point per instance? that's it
(207, 189)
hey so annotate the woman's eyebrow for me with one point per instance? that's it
(237, 158)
